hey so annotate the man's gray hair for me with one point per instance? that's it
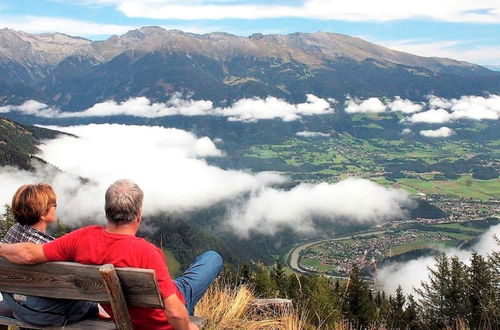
(123, 200)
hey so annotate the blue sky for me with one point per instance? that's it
(462, 29)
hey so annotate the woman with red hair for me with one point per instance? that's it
(34, 207)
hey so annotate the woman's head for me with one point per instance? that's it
(31, 202)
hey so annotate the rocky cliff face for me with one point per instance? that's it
(311, 49)
(28, 57)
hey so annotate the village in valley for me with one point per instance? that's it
(465, 220)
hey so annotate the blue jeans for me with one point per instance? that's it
(198, 277)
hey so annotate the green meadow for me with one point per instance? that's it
(174, 265)
(465, 187)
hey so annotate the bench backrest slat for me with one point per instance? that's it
(76, 281)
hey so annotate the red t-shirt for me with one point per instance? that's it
(94, 245)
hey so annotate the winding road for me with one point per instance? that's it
(295, 252)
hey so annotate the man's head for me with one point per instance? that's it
(31, 202)
(123, 202)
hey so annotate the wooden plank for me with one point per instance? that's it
(140, 287)
(95, 323)
(76, 281)
(85, 324)
(116, 297)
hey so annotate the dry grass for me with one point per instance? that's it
(460, 324)
(226, 307)
(346, 325)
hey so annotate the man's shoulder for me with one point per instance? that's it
(94, 229)
(81, 233)
(141, 242)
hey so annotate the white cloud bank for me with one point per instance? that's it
(308, 134)
(404, 105)
(372, 105)
(485, 55)
(272, 107)
(41, 24)
(410, 274)
(77, 201)
(406, 131)
(169, 164)
(375, 105)
(476, 107)
(357, 200)
(480, 11)
(434, 116)
(247, 110)
(437, 133)
(466, 107)
(32, 107)
(437, 110)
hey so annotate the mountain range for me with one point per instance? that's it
(74, 73)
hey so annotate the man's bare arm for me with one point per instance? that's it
(23, 253)
(177, 314)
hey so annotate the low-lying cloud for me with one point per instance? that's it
(467, 107)
(476, 107)
(437, 133)
(272, 107)
(376, 105)
(434, 116)
(77, 201)
(143, 107)
(372, 105)
(410, 274)
(247, 109)
(436, 110)
(404, 105)
(32, 107)
(312, 134)
(358, 200)
(406, 131)
(170, 165)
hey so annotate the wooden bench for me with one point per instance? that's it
(118, 287)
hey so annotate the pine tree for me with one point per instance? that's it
(279, 277)
(411, 314)
(6, 220)
(444, 298)
(458, 303)
(481, 292)
(356, 305)
(494, 262)
(263, 284)
(321, 301)
(381, 313)
(397, 309)
(433, 293)
(61, 229)
(294, 287)
(244, 273)
(336, 287)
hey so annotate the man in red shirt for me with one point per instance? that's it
(117, 244)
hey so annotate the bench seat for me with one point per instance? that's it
(119, 287)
